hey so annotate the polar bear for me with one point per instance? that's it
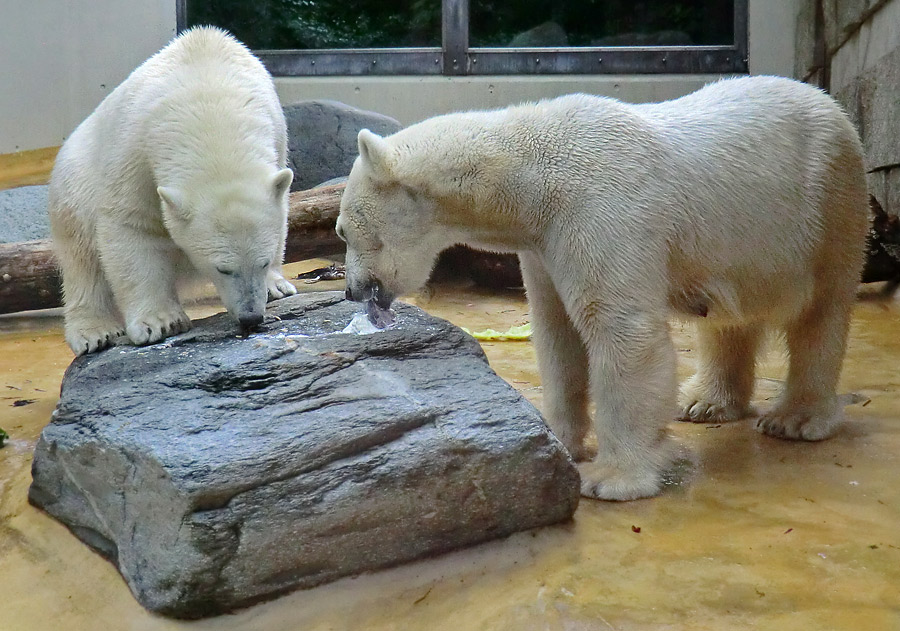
(181, 169)
(740, 207)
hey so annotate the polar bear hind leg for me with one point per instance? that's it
(808, 408)
(720, 391)
(816, 337)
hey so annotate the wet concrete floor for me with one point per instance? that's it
(762, 534)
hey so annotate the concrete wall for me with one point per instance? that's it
(859, 63)
(411, 99)
(59, 58)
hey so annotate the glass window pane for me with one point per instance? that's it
(525, 23)
(311, 24)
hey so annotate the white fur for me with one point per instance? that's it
(741, 207)
(181, 169)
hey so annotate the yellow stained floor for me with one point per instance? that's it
(762, 534)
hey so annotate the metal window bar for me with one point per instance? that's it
(180, 15)
(455, 58)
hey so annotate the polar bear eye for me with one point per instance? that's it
(265, 265)
(225, 272)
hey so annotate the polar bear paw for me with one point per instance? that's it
(800, 424)
(148, 328)
(702, 411)
(278, 286)
(608, 483)
(85, 338)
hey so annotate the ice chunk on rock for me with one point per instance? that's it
(360, 324)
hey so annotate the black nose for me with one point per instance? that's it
(250, 320)
(348, 294)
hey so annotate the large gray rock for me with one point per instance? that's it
(217, 471)
(545, 34)
(23, 214)
(322, 139)
(657, 38)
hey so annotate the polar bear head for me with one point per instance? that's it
(390, 226)
(232, 233)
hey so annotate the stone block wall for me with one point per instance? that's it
(852, 49)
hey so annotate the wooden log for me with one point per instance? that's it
(30, 278)
(311, 220)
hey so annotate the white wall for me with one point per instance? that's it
(772, 27)
(60, 58)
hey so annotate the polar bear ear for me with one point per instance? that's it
(281, 182)
(174, 201)
(374, 152)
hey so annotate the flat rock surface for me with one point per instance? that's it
(217, 471)
(23, 214)
(322, 139)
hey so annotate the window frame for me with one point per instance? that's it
(455, 58)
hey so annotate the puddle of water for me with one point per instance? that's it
(753, 532)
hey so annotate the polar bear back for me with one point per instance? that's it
(747, 192)
(202, 104)
(767, 176)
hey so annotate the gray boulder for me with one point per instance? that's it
(217, 471)
(655, 38)
(322, 139)
(23, 214)
(545, 34)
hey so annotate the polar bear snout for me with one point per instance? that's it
(371, 290)
(381, 296)
(244, 296)
(249, 322)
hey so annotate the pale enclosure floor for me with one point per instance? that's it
(762, 533)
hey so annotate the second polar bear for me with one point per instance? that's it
(741, 207)
(181, 169)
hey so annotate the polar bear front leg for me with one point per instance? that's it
(140, 271)
(720, 391)
(562, 360)
(278, 286)
(92, 321)
(633, 383)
